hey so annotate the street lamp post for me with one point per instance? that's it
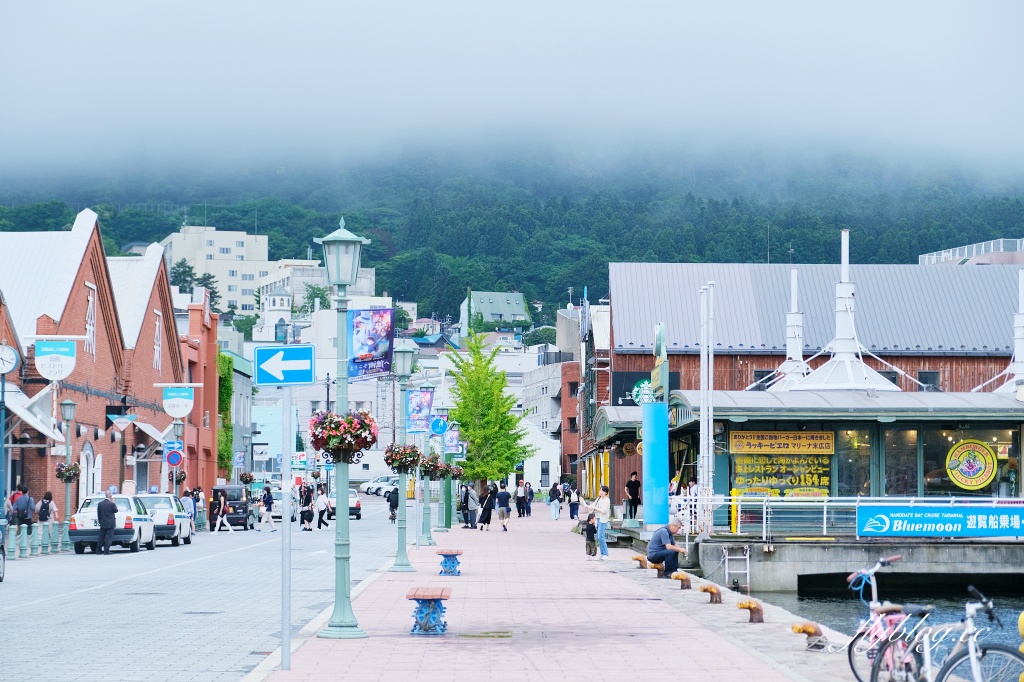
(341, 258)
(178, 427)
(444, 493)
(404, 359)
(425, 537)
(246, 448)
(67, 413)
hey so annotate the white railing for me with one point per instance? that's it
(763, 518)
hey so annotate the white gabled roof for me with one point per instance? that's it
(132, 278)
(37, 270)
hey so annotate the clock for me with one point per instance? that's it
(8, 359)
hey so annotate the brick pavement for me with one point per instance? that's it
(529, 604)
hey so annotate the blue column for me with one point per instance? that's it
(655, 464)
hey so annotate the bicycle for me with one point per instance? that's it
(884, 618)
(900, 660)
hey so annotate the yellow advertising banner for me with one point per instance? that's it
(784, 442)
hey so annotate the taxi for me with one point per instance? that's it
(133, 526)
(170, 518)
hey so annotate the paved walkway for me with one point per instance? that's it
(530, 606)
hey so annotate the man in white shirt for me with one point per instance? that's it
(521, 499)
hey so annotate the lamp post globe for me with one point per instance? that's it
(67, 413)
(404, 360)
(342, 250)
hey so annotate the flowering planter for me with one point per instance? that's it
(402, 459)
(343, 437)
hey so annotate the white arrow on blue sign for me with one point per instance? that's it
(285, 365)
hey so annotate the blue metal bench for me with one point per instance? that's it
(429, 611)
(450, 561)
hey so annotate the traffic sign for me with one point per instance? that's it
(438, 425)
(285, 365)
(173, 458)
(121, 421)
(174, 445)
(178, 400)
(329, 467)
(55, 360)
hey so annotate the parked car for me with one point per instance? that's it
(389, 486)
(384, 485)
(241, 512)
(170, 520)
(133, 526)
(368, 487)
(276, 511)
(355, 508)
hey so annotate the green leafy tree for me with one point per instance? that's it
(314, 293)
(402, 319)
(209, 282)
(483, 409)
(225, 392)
(541, 335)
(244, 324)
(183, 276)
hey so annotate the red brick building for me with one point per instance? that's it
(61, 284)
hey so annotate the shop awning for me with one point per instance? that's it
(151, 431)
(21, 406)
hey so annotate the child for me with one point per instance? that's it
(591, 531)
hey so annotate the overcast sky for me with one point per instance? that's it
(169, 80)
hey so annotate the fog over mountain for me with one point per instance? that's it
(235, 86)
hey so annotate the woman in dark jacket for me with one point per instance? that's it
(486, 507)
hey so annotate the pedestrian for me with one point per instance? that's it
(520, 498)
(306, 507)
(602, 508)
(189, 503)
(472, 504)
(323, 505)
(591, 532)
(502, 502)
(24, 507)
(222, 513)
(46, 512)
(662, 548)
(464, 505)
(529, 498)
(106, 514)
(487, 508)
(267, 505)
(555, 501)
(632, 495)
(393, 504)
(691, 502)
(573, 495)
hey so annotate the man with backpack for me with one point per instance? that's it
(46, 512)
(23, 509)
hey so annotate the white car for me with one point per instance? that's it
(369, 487)
(275, 513)
(355, 507)
(133, 526)
(385, 485)
(170, 518)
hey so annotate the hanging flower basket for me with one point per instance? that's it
(457, 471)
(68, 472)
(343, 438)
(402, 458)
(246, 477)
(432, 467)
(315, 474)
(177, 478)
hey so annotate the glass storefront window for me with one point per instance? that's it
(900, 462)
(853, 462)
(979, 460)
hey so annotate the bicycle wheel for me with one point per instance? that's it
(998, 663)
(897, 661)
(861, 654)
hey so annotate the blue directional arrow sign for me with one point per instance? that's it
(285, 365)
(438, 426)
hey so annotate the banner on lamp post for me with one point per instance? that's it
(451, 441)
(418, 406)
(371, 339)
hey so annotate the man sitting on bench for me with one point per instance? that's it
(662, 547)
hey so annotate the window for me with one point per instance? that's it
(573, 427)
(543, 390)
(232, 302)
(759, 375)
(366, 466)
(314, 405)
(930, 380)
(209, 256)
(248, 292)
(232, 273)
(209, 242)
(232, 287)
(240, 244)
(545, 474)
(892, 376)
(263, 273)
(248, 277)
(248, 306)
(90, 323)
(225, 249)
(239, 257)
(574, 388)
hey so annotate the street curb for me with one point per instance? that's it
(272, 662)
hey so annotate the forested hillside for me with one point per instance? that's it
(541, 227)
